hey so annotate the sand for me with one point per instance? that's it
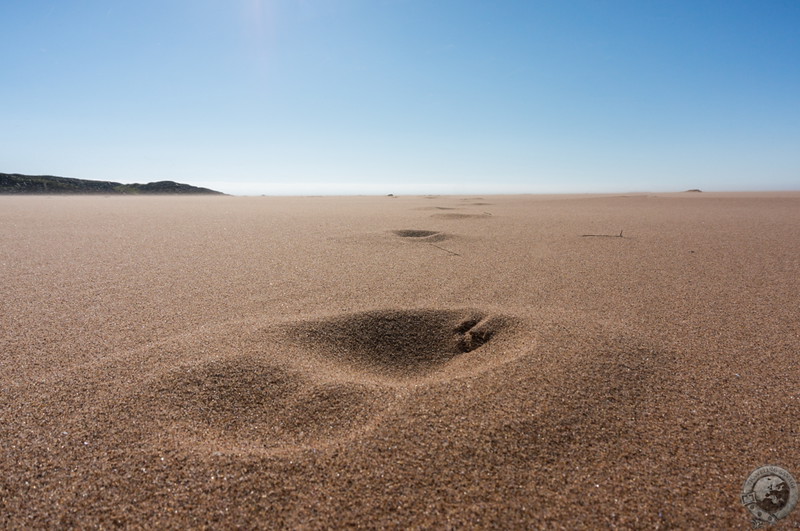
(396, 362)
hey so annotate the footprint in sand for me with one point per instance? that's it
(316, 383)
(398, 345)
(421, 235)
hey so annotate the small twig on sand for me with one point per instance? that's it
(604, 235)
(445, 250)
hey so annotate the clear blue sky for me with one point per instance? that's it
(405, 96)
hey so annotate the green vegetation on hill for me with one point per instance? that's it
(14, 183)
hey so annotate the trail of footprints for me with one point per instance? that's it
(431, 236)
(336, 377)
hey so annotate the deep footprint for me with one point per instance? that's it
(399, 342)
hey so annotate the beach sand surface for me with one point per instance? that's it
(436, 361)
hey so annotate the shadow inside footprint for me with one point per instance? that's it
(473, 333)
(421, 235)
(414, 233)
(398, 342)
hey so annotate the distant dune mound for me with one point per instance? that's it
(14, 183)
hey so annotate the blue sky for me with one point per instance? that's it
(405, 96)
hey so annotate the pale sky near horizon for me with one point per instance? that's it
(405, 96)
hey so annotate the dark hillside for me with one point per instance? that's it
(14, 183)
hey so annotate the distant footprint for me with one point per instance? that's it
(421, 235)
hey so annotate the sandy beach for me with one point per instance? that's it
(396, 362)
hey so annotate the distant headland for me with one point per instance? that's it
(15, 183)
